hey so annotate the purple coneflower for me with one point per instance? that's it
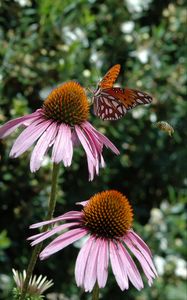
(106, 218)
(61, 124)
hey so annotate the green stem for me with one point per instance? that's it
(95, 294)
(37, 248)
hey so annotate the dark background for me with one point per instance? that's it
(45, 43)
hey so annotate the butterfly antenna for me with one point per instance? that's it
(89, 89)
(98, 77)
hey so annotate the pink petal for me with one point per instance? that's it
(91, 153)
(117, 267)
(63, 146)
(11, 125)
(83, 203)
(136, 239)
(41, 147)
(132, 271)
(145, 266)
(81, 262)
(29, 136)
(75, 139)
(102, 162)
(52, 232)
(63, 241)
(91, 267)
(91, 169)
(102, 263)
(69, 150)
(103, 138)
(75, 215)
(33, 237)
(96, 147)
(143, 248)
(85, 143)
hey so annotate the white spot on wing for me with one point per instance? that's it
(110, 97)
(139, 101)
(115, 103)
(140, 94)
(105, 100)
(124, 110)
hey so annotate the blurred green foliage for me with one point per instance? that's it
(44, 43)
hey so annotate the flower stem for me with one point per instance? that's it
(37, 248)
(95, 294)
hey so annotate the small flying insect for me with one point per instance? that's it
(165, 126)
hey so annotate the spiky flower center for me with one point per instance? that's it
(67, 104)
(108, 214)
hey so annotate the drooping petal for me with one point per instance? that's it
(63, 146)
(63, 241)
(11, 125)
(103, 138)
(35, 236)
(143, 248)
(91, 169)
(96, 147)
(85, 143)
(81, 262)
(75, 139)
(137, 240)
(91, 266)
(102, 162)
(117, 266)
(29, 136)
(132, 270)
(102, 263)
(51, 232)
(69, 150)
(41, 147)
(71, 215)
(145, 265)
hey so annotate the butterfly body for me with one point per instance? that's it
(112, 103)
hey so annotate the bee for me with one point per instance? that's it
(165, 126)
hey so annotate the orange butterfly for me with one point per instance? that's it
(111, 103)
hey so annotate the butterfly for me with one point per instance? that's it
(112, 103)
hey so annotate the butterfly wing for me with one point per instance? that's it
(110, 77)
(103, 107)
(112, 104)
(107, 107)
(130, 98)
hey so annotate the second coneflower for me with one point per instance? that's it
(60, 124)
(106, 219)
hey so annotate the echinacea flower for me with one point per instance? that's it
(106, 218)
(37, 284)
(61, 124)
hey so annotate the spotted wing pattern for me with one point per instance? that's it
(107, 107)
(130, 97)
(112, 104)
(110, 77)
